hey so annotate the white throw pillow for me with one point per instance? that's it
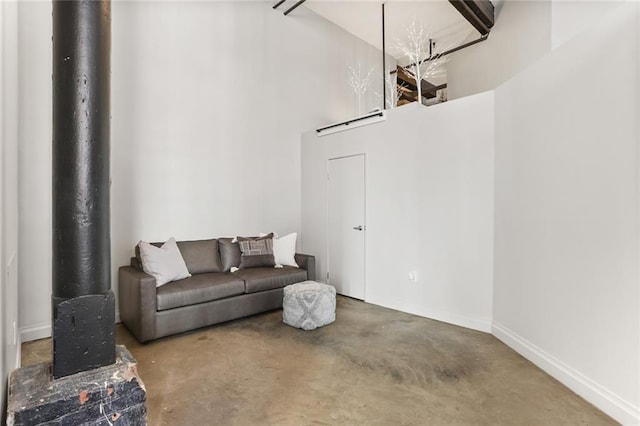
(262, 234)
(284, 250)
(164, 263)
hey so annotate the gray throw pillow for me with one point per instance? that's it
(256, 252)
(201, 256)
(229, 254)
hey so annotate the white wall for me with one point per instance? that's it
(195, 103)
(520, 36)
(10, 347)
(208, 102)
(34, 161)
(524, 32)
(570, 18)
(566, 215)
(429, 207)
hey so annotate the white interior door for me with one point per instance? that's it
(346, 225)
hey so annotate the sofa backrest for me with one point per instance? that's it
(200, 256)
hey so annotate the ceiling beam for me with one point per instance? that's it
(479, 13)
(288, 11)
(447, 52)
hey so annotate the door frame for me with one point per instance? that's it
(326, 225)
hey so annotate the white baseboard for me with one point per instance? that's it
(621, 410)
(483, 325)
(459, 320)
(42, 331)
(35, 332)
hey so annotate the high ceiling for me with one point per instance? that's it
(363, 18)
(443, 24)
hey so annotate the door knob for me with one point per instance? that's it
(358, 228)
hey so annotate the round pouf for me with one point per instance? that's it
(309, 305)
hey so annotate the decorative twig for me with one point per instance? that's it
(417, 47)
(359, 83)
(392, 88)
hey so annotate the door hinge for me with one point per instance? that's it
(327, 277)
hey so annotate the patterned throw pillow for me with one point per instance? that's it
(256, 252)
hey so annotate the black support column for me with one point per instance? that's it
(83, 303)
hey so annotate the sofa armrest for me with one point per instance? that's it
(308, 263)
(138, 303)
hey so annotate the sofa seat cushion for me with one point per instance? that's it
(199, 288)
(261, 279)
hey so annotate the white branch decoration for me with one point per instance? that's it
(359, 83)
(423, 61)
(392, 89)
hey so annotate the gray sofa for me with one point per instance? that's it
(211, 295)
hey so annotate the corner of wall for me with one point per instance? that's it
(479, 324)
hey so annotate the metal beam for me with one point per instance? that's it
(484, 10)
(292, 8)
(479, 13)
(447, 52)
(465, 45)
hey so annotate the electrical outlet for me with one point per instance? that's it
(413, 276)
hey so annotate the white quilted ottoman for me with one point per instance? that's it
(309, 305)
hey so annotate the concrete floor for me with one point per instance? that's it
(373, 366)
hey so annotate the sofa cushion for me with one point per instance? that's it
(256, 251)
(229, 253)
(201, 256)
(199, 288)
(164, 263)
(284, 250)
(260, 279)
